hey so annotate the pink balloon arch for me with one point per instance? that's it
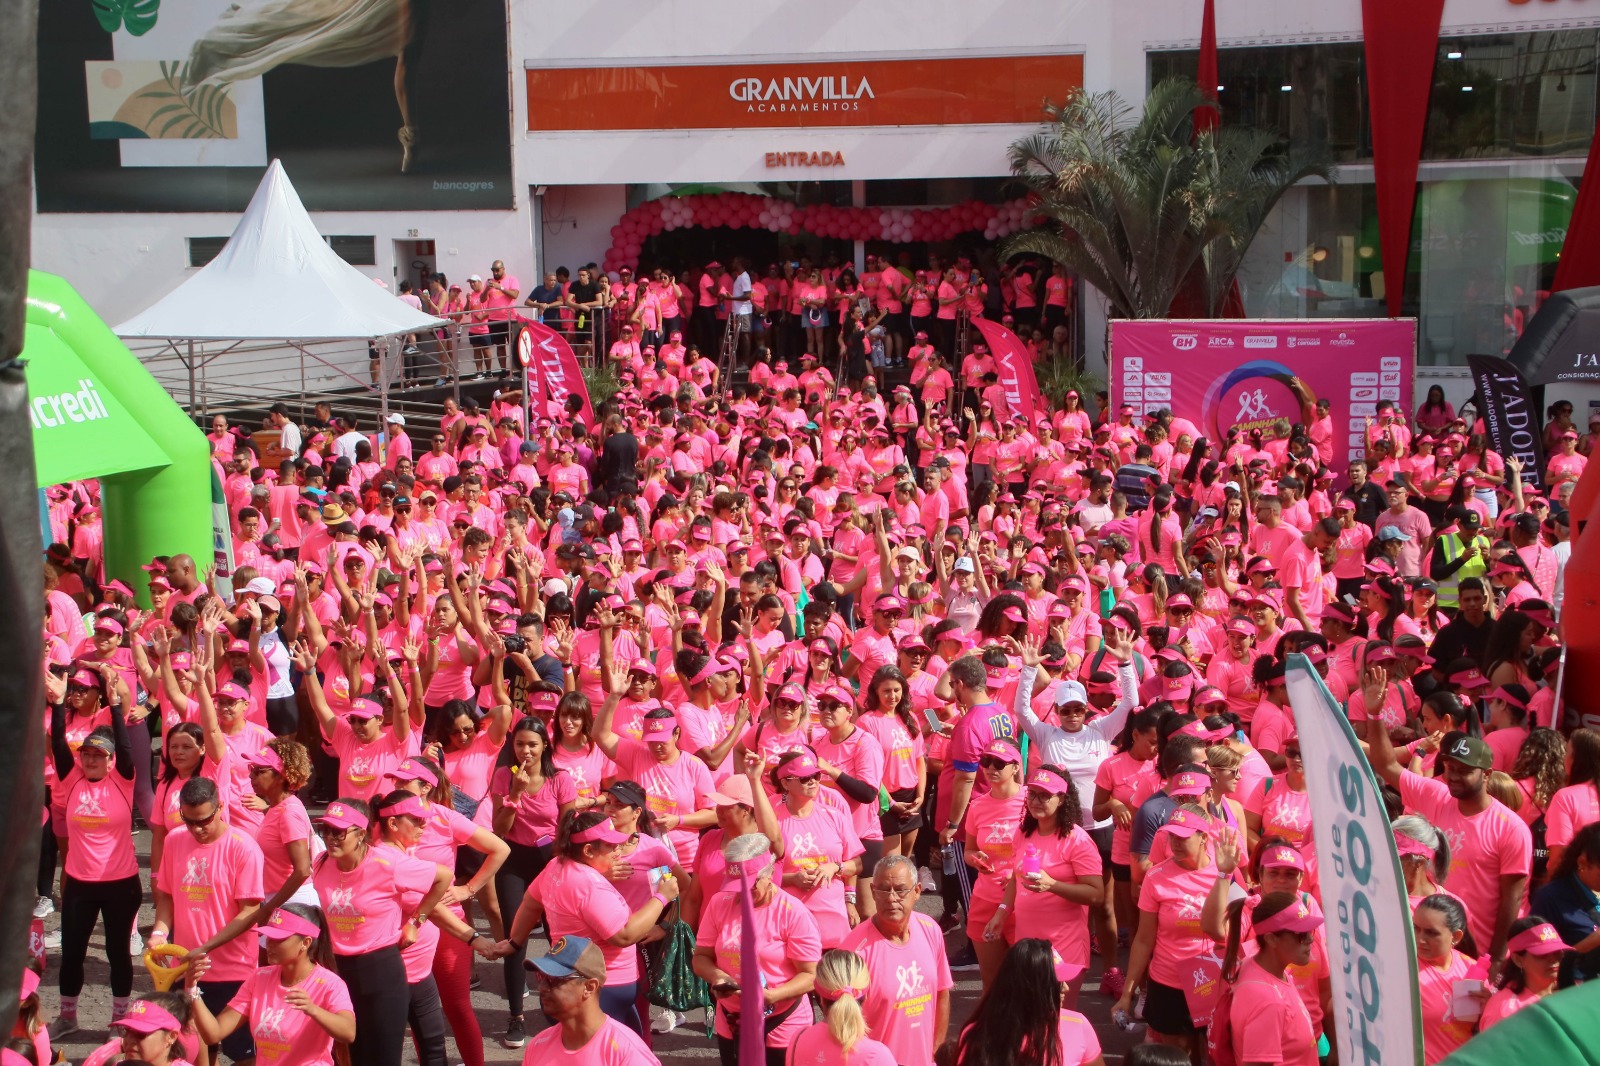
(737, 210)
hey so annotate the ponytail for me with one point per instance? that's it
(1264, 907)
(1156, 578)
(841, 975)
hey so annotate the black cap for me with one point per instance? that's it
(1471, 519)
(628, 793)
(1466, 749)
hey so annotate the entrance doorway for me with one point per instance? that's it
(414, 261)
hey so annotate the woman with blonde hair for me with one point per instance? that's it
(841, 1036)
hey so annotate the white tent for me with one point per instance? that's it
(276, 279)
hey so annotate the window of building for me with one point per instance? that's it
(204, 249)
(357, 251)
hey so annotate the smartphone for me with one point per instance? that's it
(934, 722)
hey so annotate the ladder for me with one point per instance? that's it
(729, 354)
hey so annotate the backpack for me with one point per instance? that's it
(1219, 1033)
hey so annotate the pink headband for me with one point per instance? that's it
(1048, 780)
(1406, 845)
(831, 994)
(715, 666)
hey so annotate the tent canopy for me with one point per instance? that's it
(1562, 343)
(276, 279)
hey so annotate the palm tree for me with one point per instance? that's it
(1143, 209)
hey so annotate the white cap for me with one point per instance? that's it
(965, 564)
(1070, 692)
(554, 586)
(908, 552)
(261, 586)
(1234, 485)
(396, 419)
(474, 277)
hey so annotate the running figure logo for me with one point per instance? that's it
(1253, 406)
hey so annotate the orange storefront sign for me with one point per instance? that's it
(880, 92)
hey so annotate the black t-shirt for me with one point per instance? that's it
(582, 293)
(1460, 639)
(619, 457)
(1370, 502)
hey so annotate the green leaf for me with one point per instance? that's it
(138, 15)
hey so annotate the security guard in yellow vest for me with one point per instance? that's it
(1460, 550)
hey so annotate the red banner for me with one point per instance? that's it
(1579, 266)
(1015, 367)
(553, 373)
(1402, 41)
(1207, 116)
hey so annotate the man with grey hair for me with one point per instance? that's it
(907, 1005)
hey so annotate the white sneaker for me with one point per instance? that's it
(52, 940)
(44, 907)
(136, 944)
(925, 879)
(665, 1021)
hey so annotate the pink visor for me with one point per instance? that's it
(600, 833)
(659, 730)
(411, 805)
(1049, 781)
(1014, 613)
(341, 817)
(999, 749)
(1296, 919)
(1189, 783)
(1282, 856)
(1186, 824)
(1410, 846)
(145, 1017)
(803, 766)
(791, 693)
(412, 770)
(232, 690)
(268, 759)
(1540, 940)
(1065, 971)
(284, 924)
(360, 707)
(1501, 694)
(714, 666)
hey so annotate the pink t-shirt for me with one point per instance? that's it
(901, 748)
(282, 824)
(613, 1044)
(98, 816)
(1130, 782)
(588, 769)
(250, 739)
(1442, 1031)
(1269, 1021)
(823, 836)
(362, 766)
(469, 770)
(579, 901)
(992, 826)
(902, 997)
(1571, 809)
(678, 788)
(1483, 847)
(861, 756)
(207, 883)
(362, 905)
(1047, 915)
(285, 1035)
(786, 934)
(537, 812)
(1176, 897)
(817, 1046)
(1503, 1004)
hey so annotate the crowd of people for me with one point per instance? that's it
(836, 650)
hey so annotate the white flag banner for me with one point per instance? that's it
(1370, 948)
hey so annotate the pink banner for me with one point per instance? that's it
(1014, 366)
(1248, 374)
(553, 371)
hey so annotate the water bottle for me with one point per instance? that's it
(1031, 865)
(950, 859)
(1125, 1023)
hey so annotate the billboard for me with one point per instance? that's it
(376, 105)
(1222, 374)
(860, 92)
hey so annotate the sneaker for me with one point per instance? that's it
(515, 1036)
(44, 907)
(52, 940)
(62, 1028)
(1111, 983)
(925, 879)
(952, 920)
(136, 944)
(665, 1021)
(965, 959)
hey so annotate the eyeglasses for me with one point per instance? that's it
(811, 779)
(201, 823)
(1293, 753)
(993, 764)
(464, 731)
(332, 834)
(899, 892)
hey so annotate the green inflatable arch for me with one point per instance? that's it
(97, 412)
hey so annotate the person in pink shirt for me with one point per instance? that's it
(1492, 849)
(1567, 464)
(907, 1002)
(208, 892)
(840, 1039)
(679, 785)
(1267, 1019)
(361, 887)
(1533, 963)
(147, 1033)
(1171, 945)
(1024, 1008)
(1578, 803)
(820, 850)
(787, 949)
(366, 748)
(1445, 955)
(295, 1007)
(571, 978)
(92, 812)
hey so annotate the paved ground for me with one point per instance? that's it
(688, 1043)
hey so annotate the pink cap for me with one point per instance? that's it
(734, 792)
(341, 817)
(232, 690)
(238, 647)
(267, 758)
(804, 765)
(1049, 781)
(145, 1017)
(837, 693)
(111, 625)
(600, 833)
(413, 770)
(1282, 856)
(643, 666)
(411, 805)
(1014, 613)
(659, 730)
(791, 693)
(1065, 971)
(1208, 695)
(284, 924)
(1186, 824)
(1178, 599)
(1296, 919)
(1501, 694)
(543, 701)
(1242, 626)
(1178, 688)
(1189, 783)
(1542, 939)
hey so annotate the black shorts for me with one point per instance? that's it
(479, 340)
(499, 331)
(898, 322)
(1122, 873)
(1102, 842)
(1166, 1010)
(891, 823)
(871, 852)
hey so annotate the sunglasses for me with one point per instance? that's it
(332, 834)
(1292, 753)
(201, 823)
(807, 780)
(993, 764)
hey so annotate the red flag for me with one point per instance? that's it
(555, 373)
(1208, 116)
(1402, 41)
(1014, 366)
(1580, 251)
